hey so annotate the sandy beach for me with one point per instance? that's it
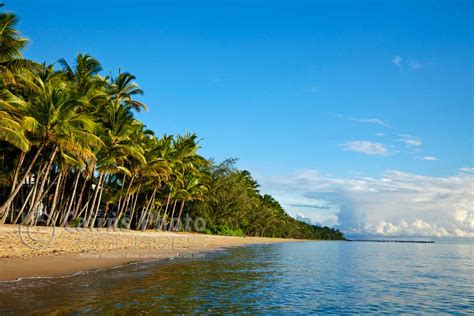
(49, 252)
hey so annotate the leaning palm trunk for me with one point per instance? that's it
(39, 196)
(119, 205)
(55, 199)
(126, 207)
(146, 211)
(172, 215)
(98, 205)
(17, 170)
(79, 201)
(23, 207)
(125, 203)
(61, 201)
(96, 194)
(13, 194)
(179, 215)
(166, 211)
(158, 213)
(89, 175)
(71, 200)
(31, 195)
(37, 180)
(133, 210)
(16, 173)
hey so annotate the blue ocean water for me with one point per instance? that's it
(295, 278)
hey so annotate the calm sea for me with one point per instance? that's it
(294, 278)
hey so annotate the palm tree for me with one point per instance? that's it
(11, 129)
(53, 122)
(11, 45)
(122, 153)
(123, 90)
(11, 42)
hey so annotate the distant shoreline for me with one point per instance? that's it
(394, 241)
(54, 252)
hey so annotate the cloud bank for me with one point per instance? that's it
(397, 204)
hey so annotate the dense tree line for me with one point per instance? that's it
(73, 153)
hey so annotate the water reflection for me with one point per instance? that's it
(337, 277)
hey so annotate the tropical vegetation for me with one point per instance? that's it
(73, 153)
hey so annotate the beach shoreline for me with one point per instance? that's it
(35, 252)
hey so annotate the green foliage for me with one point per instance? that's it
(225, 231)
(234, 205)
(76, 223)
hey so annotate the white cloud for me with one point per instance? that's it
(409, 140)
(428, 158)
(467, 169)
(371, 121)
(380, 134)
(397, 60)
(301, 217)
(397, 204)
(375, 121)
(214, 80)
(315, 89)
(367, 147)
(414, 64)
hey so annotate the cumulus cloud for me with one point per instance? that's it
(366, 147)
(396, 204)
(303, 218)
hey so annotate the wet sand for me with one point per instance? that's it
(27, 252)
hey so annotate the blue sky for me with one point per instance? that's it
(336, 90)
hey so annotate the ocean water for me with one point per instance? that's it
(289, 278)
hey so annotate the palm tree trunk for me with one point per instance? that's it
(23, 207)
(55, 199)
(106, 213)
(119, 205)
(125, 203)
(180, 212)
(13, 194)
(96, 194)
(30, 195)
(16, 173)
(37, 179)
(71, 200)
(41, 188)
(166, 211)
(154, 221)
(98, 203)
(146, 209)
(172, 214)
(133, 210)
(61, 200)
(79, 201)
